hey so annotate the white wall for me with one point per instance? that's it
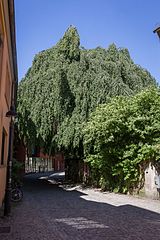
(151, 181)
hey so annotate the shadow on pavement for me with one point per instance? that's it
(51, 212)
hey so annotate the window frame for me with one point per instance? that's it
(3, 146)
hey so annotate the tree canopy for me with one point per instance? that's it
(64, 86)
(122, 137)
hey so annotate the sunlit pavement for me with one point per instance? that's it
(51, 211)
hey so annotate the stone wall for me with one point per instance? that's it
(152, 182)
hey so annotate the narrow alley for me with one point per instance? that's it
(50, 211)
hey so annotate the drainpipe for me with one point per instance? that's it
(7, 202)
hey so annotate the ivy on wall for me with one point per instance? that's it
(121, 137)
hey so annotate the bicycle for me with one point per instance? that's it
(16, 193)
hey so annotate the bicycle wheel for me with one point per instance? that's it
(16, 195)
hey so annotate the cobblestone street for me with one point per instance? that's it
(49, 211)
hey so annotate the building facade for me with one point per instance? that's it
(8, 83)
(39, 161)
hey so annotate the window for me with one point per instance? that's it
(1, 41)
(8, 88)
(3, 146)
(1, 32)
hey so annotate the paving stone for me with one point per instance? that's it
(49, 211)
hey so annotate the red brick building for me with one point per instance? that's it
(41, 162)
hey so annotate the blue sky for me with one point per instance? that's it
(127, 23)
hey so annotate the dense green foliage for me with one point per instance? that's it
(17, 170)
(64, 86)
(121, 137)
